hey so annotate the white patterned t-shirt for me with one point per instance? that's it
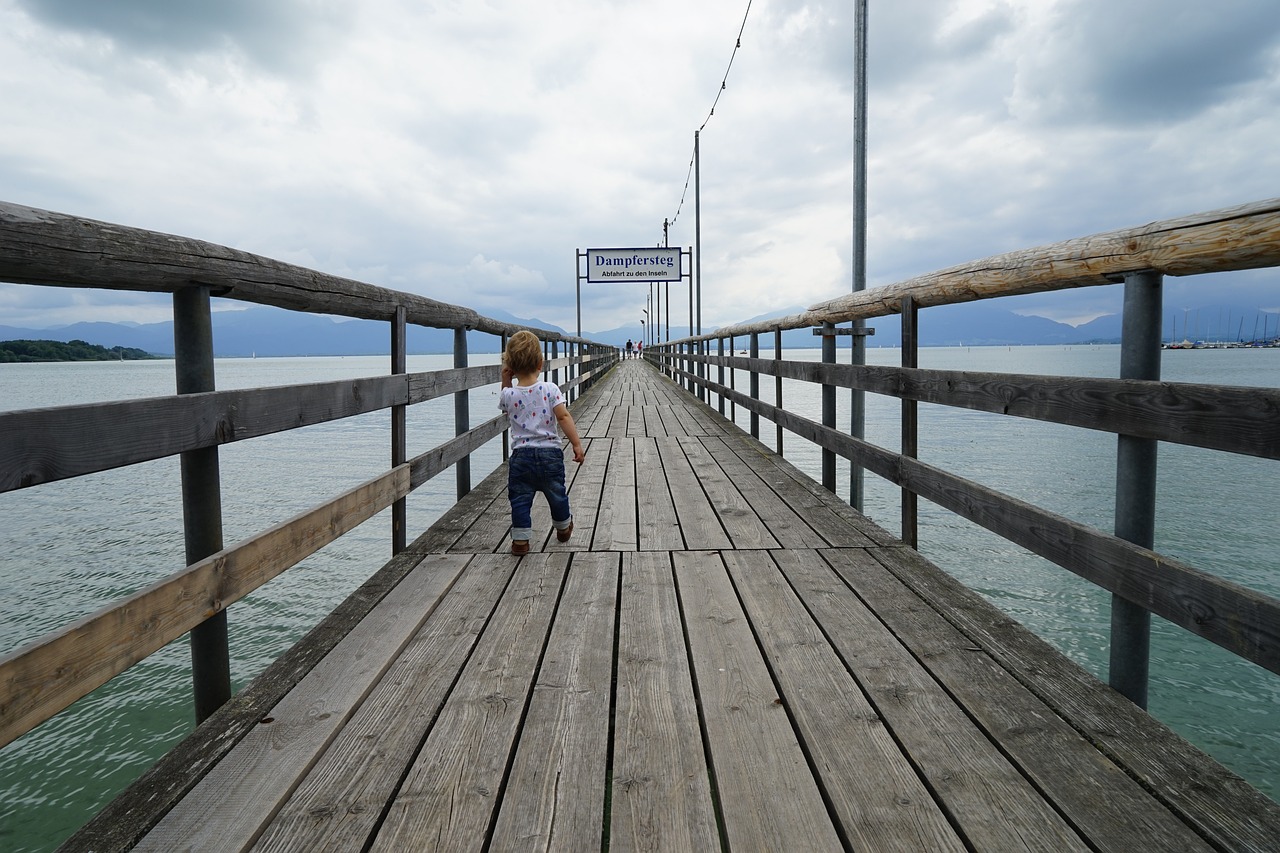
(531, 411)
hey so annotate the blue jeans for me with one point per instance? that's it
(532, 470)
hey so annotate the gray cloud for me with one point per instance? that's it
(1158, 62)
(280, 35)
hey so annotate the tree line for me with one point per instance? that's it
(25, 351)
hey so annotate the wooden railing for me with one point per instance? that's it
(1138, 408)
(39, 446)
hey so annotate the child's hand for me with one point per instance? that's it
(579, 454)
(507, 375)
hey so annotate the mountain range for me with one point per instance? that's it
(266, 331)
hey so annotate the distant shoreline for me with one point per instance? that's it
(27, 352)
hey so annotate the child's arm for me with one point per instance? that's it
(507, 376)
(570, 430)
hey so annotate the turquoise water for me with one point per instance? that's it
(1216, 512)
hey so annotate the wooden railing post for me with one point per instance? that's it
(754, 382)
(777, 380)
(506, 434)
(461, 412)
(910, 418)
(720, 375)
(828, 406)
(1136, 483)
(201, 497)
(399, 439)
(555, 372)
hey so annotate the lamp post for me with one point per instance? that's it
(643, 325)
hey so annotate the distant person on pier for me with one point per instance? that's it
(630, 347)
(639, 349)
(535, 408)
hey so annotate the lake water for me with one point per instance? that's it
(67, 548)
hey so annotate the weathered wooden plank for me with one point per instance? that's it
(447, 799)
(48, 675)
(669, 420)
(618, 425)
(658, 519)
(661, 796)
(785, 524)
(766, 791)
(881, 802)
(635, 418)
(238, 797)
(441, 458)
(441, 383)
(700, 521)
(586, 494)
(44, 445)
(1225, 809)
(738, 516)
(991, 802)
(554, 797)
(837, 522)
(1107, 806)
(616, 526)
(341, 800)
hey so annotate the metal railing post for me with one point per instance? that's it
(828, 406)
(910, 419)
(201, 497)
(1136, 484)
(399, 443)
(461, 413)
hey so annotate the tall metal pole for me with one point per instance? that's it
(201, 496)
(858, 356)
(697, 239)
(1135, 483)
(666, 244)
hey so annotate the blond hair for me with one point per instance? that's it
(524, 353)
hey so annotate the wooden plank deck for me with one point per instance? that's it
(724, 656)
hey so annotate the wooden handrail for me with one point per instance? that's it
(59, 250)
(1233, 238)
(41, 679)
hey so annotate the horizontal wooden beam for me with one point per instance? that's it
(441, 457)
(39, 680)
(44, 445)
(1233, 419)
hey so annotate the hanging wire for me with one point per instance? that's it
(723, 85)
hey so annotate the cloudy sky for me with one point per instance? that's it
(466, 149)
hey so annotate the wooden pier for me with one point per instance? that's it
(724, 656)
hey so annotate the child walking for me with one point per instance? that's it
(534, 409)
